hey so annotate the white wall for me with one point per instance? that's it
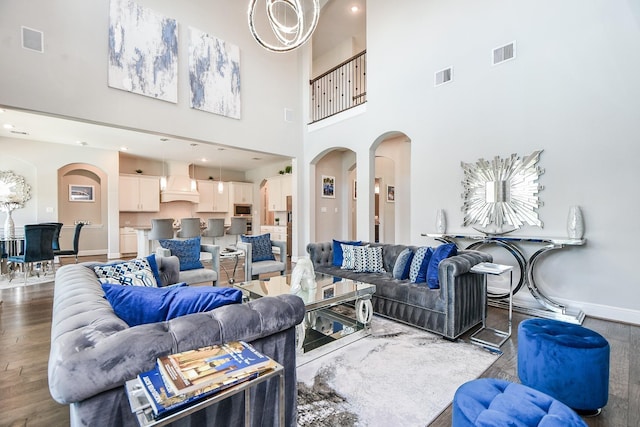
(70, 77)
(572, 91)
(39, 163)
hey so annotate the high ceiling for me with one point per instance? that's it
(337, 23)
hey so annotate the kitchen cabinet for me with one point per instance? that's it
(278, 232)
(139, 193)
(279, 189)
(241, 193)
(210, 199)
(128, 241)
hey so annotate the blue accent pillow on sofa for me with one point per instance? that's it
(187, 251)
(337, 250)
(138, 305)
(402, 265)
(441, 252)
(261, 249)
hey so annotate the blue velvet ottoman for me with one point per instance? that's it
(566, 361)
(490, 402)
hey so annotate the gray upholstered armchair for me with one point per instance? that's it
(252, 269)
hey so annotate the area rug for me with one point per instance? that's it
(18, 280)
(397, 376)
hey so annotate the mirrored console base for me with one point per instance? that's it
(575, 316)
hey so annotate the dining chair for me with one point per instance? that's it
(38, 248)
(189, 227)
(56, 235)
(76, 244)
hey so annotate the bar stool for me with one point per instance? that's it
(189, 227)
(215, 229)
(238, 227)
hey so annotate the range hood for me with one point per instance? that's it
(179, 187)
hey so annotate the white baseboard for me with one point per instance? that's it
(607, 312)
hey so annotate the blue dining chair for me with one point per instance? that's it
(38, 248)
(76, 244)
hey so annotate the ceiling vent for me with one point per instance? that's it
(32, 39)
(443, 76)
(504, 53)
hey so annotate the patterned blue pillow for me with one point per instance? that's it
(187, 251)
(416, 262)
(402, 264)
(260, 247)
(424, 267)
(368, 259)
(348, 257)
(338, 256)
(136, 272)
(441, 252)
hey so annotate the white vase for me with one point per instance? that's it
(575, 223)
(9, 227)
(441, 221)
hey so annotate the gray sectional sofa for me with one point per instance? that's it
(93, 352)
(451, 310)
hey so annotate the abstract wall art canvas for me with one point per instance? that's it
(143, 51)
(214, 74)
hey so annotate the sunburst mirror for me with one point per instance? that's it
(502, 195)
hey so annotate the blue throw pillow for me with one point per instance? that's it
(416, 263)
(424, 266)
(441, 252)
(138, 305)
(402, 264)
(337, 250)
(153, 264)
(261, 249)
(187, 251)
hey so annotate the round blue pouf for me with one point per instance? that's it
(566, 361)
(490, 402)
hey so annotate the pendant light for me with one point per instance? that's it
(220, 184)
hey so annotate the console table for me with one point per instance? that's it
(550, 308)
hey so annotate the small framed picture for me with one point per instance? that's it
(81, 193)
(329, 186)
(391, 193)
(355, 190)
(328, 291)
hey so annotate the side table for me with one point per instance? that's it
(226, 254)
(488, 268)
(146, 419)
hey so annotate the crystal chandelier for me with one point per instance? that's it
(289, 22)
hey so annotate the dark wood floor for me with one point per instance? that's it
(25, 322)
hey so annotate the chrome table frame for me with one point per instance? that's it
(503, 335)
(550, 308)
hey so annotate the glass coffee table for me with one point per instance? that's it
(327, 319)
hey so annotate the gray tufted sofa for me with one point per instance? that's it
(449, 311)
(93, 352)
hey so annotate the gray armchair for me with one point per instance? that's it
(252, 270)
(198, 275)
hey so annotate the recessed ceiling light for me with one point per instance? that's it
(203, 159)
(124, 148)
(354, 9)
(256, 158)
(164, 139)
(83, 143)
(7, 126)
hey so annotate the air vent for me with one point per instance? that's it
(288, 115)
(443, 76)
(32, 39)
(504, 53)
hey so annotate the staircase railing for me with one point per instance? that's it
(339, 89)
